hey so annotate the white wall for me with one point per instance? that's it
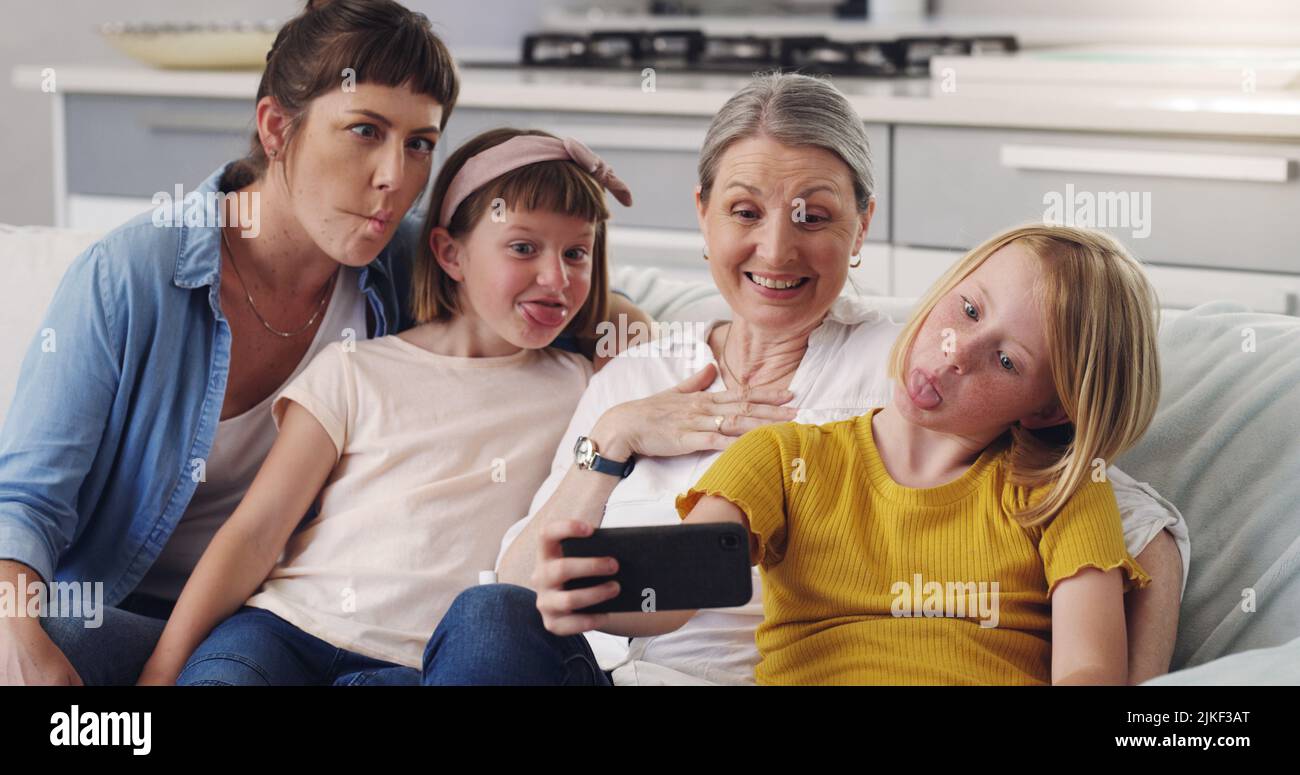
(64, 33)
(1268, 11)
(1268, 23)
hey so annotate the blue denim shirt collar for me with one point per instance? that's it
(98, 452)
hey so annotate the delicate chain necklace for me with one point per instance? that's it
(329, 287)
(728, 370)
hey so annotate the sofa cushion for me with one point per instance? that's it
(33, 260)
(1225, 448)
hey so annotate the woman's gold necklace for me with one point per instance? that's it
(726, 367)
(329, 287)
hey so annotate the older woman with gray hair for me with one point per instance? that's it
(784, 202)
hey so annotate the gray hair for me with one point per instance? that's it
(793, 109)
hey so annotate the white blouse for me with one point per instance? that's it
(842, 375)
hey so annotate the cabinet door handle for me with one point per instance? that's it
(196, 122)
(1202, 166)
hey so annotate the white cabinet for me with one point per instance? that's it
(916, 269)
(1213, 218)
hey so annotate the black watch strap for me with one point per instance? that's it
(587, 456)
(619, 468)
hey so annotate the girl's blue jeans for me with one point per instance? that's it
(491, 634)
(254, 647)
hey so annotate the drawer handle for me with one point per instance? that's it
(182, 122)
(1204, 166)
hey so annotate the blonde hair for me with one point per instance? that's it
(1100, 316)
(556, 186)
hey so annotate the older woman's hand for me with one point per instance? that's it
(687, 418)
(553, 570)
(559, 606)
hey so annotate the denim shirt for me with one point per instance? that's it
(119, 397)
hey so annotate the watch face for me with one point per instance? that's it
(584, 451)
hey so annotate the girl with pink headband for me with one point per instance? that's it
(415, 452)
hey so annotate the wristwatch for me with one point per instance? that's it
(586, 457)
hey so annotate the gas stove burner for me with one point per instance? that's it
(916, 53)
(832, 57)
(985, 45)
(553, 48)
(615, 48)
(689, 50)
(680, 48)
(731, 52)
(876, 57)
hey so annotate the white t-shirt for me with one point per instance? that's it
(238, 450)
(842, 375)
(436, 457)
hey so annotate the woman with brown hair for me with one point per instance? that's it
(414, 494)
(133, 440)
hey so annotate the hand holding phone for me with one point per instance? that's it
(668, 567)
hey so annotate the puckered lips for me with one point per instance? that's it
(377, 221)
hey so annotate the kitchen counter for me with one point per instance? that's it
(1200, 182)
(1166, 111)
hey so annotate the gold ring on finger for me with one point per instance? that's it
(717, 421)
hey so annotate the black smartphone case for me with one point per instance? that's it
(669, 567)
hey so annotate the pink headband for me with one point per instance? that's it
(521, 151)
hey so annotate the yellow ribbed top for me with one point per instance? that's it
(866, 581)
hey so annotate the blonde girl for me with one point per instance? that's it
(964, 533)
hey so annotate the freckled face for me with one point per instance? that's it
(981, 361)
(357, 163)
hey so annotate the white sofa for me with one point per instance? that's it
(32, 261)
(1225, 448)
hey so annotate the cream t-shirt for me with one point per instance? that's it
(436, 457)
(238, 451)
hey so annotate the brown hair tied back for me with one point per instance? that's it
(380, 41)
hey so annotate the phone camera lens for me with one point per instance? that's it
(729, 542)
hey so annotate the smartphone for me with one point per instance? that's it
(669, 567)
